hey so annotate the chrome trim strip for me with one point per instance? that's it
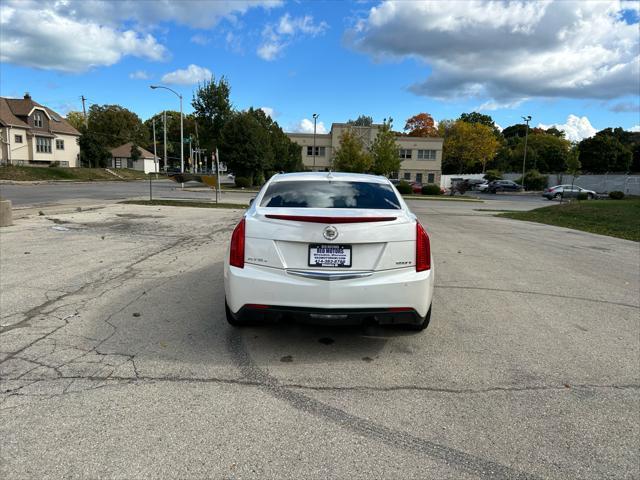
(329, 276)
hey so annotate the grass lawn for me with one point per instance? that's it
(185, 203)
(616, 218)
(72, 174)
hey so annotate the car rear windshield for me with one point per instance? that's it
(330, 194)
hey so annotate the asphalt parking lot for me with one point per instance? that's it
(116, 359)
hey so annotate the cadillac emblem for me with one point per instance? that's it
(330, 233)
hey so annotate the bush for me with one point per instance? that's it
(404, 188)
(55, 163)
(431, 189)
(534, 180)
(582, 196)
(492, 175)
(243, 182)
(616, 195)
(259, 180)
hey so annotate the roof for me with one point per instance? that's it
(14, 112)
(124, 151)
(329, 176)
(7, 117)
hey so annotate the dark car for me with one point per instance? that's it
(503, 186)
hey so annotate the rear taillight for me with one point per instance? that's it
(236, 252)
(423, 249)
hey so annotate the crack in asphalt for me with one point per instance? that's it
(544, 294)
(361, 426)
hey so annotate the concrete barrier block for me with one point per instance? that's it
(6, 215)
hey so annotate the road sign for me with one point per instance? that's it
(222, 167)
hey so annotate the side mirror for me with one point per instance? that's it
(251, 201)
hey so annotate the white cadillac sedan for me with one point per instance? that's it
(333, 248)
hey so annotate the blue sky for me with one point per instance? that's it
(570, 64)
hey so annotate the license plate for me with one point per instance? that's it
(330, 256)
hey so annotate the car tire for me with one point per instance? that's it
(418, 327)
(230, 318)
(590, 196)
(557, 196)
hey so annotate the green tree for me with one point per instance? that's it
(482, 119)
(135, 153)
(384, 151)
(361, 121)
(212, 109)
(351, 156)
(573, 163)
(469, 144)
(244, 145)
(92, 152)
(113, 125)
(605, 153)
(76, 119)
(517, 130)
(549, 151)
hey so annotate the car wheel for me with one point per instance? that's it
(590, 196)
(557, 196)
(230, 318)
(422, 325)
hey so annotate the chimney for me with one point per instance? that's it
(27, 96)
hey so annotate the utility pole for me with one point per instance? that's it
(164, 114)
(86, 123)
(527, 119)
(155, 155)
(315, 118)
(84, 110)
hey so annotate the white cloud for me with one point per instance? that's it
(507, 51)
(189, 76)
(275, 38)
(635, 128)
(65, 44)
(192, 13)
(139, 75)
(200, 39)
(306, 126)
(575, 128)
(268, 111)
(77, 35)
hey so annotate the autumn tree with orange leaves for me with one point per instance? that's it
(421, 125)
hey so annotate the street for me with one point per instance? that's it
(119, 362)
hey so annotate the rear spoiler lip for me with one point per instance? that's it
(327, 219)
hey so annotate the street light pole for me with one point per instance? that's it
(181, 123)
(155, 155)
(315, 119)
(527, 119)
(164, 123)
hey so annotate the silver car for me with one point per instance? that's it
(567, 191)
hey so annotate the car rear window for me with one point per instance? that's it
(330, 194)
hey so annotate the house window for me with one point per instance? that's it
(419, 177)
(431, 178)
(37, 120)
(117, 162)
(407, 175)
(426, 154)
(129, 162)
(43, 145)
(320, 151)
(404, 153)
(18, 138)
(59, 144)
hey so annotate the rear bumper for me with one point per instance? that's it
(325, 316)
(371, 296)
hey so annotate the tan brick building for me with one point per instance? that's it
(421, 157)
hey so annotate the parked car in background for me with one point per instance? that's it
(474, 183)
(415, 186)
(503, 186)
(567, 191)
(483, 187)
